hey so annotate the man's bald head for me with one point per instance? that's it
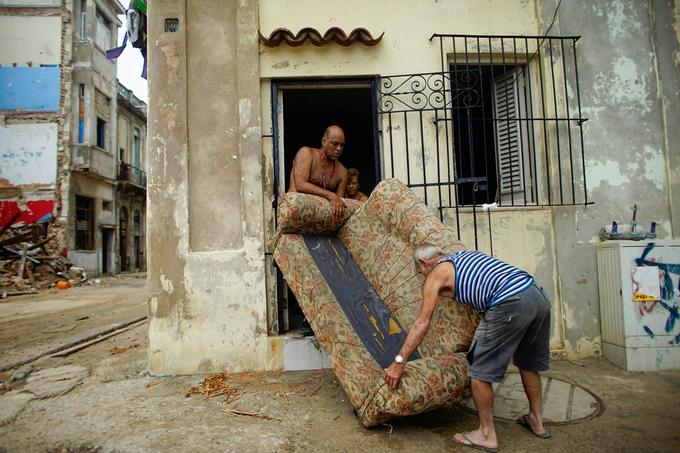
(333, 142)
(333, 130)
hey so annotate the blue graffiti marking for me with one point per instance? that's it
(675, 340)
(673, 315)
(667, 291)
(649, 332)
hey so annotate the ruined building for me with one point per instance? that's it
(72, 140)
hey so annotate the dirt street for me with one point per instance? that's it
(102, 399)
(31, 325)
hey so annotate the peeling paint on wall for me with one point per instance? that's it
(629, 84)
(654, 166)
(30, 40)
(30, 88)
(28, 154)
(608, 171)
(31, 211)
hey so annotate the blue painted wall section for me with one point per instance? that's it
(29, 88)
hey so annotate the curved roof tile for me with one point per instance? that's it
(334, 34)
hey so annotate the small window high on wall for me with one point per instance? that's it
(101, 133)
(103, 33)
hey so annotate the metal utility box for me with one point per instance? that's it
(638, 332)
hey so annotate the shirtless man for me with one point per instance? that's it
(317, 171)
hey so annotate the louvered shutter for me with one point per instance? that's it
(508, 144)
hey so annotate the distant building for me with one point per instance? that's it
(59, 109)
(131, 188)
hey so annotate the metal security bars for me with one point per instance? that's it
(500, 123)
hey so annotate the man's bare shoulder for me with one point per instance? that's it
(341, 169)
(443, 273)
(305, 151)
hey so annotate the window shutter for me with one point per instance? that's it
(508, 145)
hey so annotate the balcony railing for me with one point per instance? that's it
(132, 175)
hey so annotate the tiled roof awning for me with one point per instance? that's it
(334, 34)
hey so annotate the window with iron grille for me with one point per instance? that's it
(84, 223)
(500, 123)
(489, 138)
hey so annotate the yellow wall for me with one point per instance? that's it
(405, 47)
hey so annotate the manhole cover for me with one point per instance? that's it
(563, 402)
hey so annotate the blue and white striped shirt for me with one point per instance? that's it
(484, 281)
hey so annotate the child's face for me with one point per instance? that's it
(352, 185)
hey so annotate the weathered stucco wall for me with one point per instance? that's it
(628, 60)
(28, 155)
(34, 76)
(524, 237)
(666, 44)
(206, 261)
(405, 48)
(206, 154)
(628, 139)
(30, 39)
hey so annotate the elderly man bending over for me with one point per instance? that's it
(515, 324)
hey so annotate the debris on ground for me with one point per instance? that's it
(30, 259)
(117, 350)
(152, 384)
(4, 388)
(214, 385)
(233, 411)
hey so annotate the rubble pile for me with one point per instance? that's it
(30, 259)
(214, 385)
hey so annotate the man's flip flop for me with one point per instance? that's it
(523, 422)
(473, 445)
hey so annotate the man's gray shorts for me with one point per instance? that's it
(517, 328)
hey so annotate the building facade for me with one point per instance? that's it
(560, 113)
(131, 186)
(60, 111)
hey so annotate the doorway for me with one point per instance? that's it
(107, 236)
(302, 110)
(122, 239)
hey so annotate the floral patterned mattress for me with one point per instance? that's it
(380, 235)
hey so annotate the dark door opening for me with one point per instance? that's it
(122, 240)
(307, 111)
(107, 235)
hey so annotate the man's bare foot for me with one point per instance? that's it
(477, 440)
(530, 422)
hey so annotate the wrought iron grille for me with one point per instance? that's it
(130, 174)
(500, 123)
